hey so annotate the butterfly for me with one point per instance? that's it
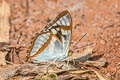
(53, 42)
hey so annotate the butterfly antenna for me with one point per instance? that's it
(86, 45)
(80, 39)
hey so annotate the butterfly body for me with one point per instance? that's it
(53, 43)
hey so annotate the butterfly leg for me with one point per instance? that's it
(68, 60)
(50, 64)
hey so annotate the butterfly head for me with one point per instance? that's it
(70, 52)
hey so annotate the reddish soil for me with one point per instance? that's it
(100, 19)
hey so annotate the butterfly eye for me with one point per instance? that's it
(70, 52)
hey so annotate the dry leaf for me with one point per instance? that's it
(4, 28)
(101, 76)
(4, 21)
(82, 57)
(97, 63)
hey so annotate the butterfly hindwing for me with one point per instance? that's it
(52, 44)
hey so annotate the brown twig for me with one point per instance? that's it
(27, 7)
(19, 38)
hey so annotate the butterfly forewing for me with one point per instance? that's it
(52, 44)
(40, 40)
(63, 19)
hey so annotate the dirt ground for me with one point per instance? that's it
(100, 19)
